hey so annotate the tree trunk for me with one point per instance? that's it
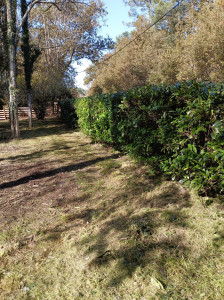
(27, 59)
(11, 32)
(30, 55)
(30, 109)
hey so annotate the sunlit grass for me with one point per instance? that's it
(108, 230)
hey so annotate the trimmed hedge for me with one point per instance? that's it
(180, 128)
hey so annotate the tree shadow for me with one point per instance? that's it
(146, 236)
(140, 250)
(171, 194)
(59, 146)
(142, 237)
(41, 128)
(49, 173)
(33, 155)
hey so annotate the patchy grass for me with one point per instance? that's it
(81, 221)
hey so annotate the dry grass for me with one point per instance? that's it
(81, 221)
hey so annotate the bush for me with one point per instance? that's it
(68, 113)
(40, 107)
(179, 127)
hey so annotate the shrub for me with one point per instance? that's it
(68, 113)
(178, 127)
(40, 107)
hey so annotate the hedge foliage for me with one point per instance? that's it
(180, 128)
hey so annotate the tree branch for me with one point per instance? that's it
(51, 4)
(32, 3)
(30, 6)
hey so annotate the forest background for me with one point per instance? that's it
(39, 41)
(185, 45)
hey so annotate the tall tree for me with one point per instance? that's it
(194, 50)
(29, 55)
(154, 9)
(3, 52)
(3, 38)
(91, 43)
(11, 6)
(69, 34)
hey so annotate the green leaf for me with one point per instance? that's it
(189, 146)
(194, 149)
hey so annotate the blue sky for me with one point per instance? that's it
(117, 16)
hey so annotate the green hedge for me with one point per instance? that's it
(179, 128)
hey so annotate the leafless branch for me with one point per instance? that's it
(79, 2)
(51, 4)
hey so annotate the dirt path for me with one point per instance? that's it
(82, 221)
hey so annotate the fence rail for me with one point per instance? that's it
(4, 114)
(24, 112)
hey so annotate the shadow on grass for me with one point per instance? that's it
(52, 127)
(144, 244)
(144, 237)
(57, 146)
(53, 172)
(41, 128)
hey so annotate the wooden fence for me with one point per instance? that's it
(23, 112)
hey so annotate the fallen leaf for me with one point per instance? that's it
(157, 284)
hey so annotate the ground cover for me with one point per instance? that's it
(82, 221)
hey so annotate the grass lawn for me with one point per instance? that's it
(79, 220)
